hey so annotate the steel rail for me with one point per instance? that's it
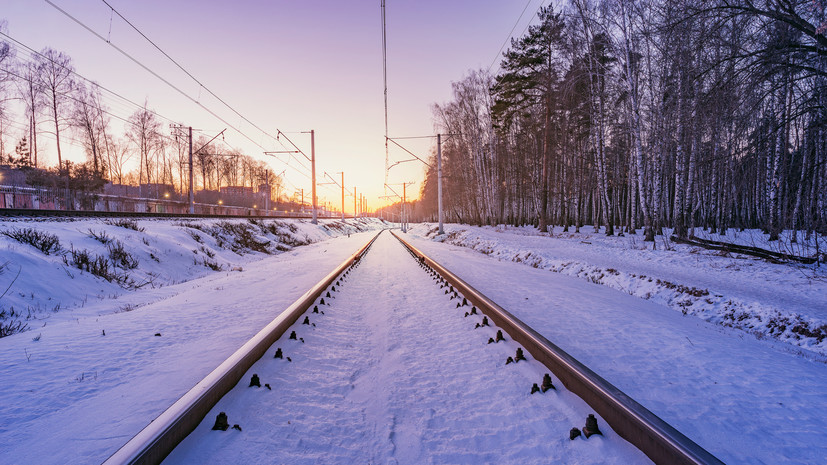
(657, 439)
(152, 444)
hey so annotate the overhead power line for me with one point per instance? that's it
(511, 34)
(146, 68)
(185, 71)
(75, 99)
(34, 53)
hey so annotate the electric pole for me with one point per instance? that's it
(438, 167)
(313, 171)
(404, 216)
(342, 185)
(312, 159)
(192, 184)
(403, 210)
(439, 179)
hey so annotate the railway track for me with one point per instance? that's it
(416, 367)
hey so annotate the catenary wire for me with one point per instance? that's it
(146, 68)
(185, 71)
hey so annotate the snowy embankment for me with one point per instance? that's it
(780, 301)
(56, 270)
(102, 359)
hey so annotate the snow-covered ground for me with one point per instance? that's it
(88, 377)
(393, 373)
(90, 372)
(745, 399)
(89, 262)
(787, 302)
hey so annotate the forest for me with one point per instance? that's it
(630, 114)
(45, 105)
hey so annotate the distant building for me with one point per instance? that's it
(10, 176)
(237, 190)
(121, 190)
(157, 191)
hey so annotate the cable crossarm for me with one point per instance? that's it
(208, 143)
(391, 188)
(333, 181)
(298, 150)
(409, 152)
(400, 162)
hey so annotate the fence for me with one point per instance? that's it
(33, 198)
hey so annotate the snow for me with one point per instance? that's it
(398, 376)
(783, 302)
(76, 395)
(720, 372)
(167, 251)
(744, 399)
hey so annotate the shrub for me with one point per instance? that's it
(125, 223)
(43, 241)
(120, 257)
(100, 237)
(96, 265)
(9, 326)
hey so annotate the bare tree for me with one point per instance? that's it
(144, 131)
(119, 156)
(54, 72)
(86, 118)
(31, 93)
(6, 58)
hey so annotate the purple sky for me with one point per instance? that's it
(292, 65)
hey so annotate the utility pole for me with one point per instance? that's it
(439, 179)
(343, 195)
(342, 185)
(192, 184)
(438, 167)
(403, 213)
(313, 169)
(355, 201)
(192, 178)
(267, 183)
(312, 164)
(404, 217)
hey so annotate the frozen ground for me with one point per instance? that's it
(82, 380)
(94, 261)
(784, 302)
(746, 400)
(92, 374)
(397, 376)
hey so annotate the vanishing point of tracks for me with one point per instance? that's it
(419, 368)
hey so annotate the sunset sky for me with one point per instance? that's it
(291, 65)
